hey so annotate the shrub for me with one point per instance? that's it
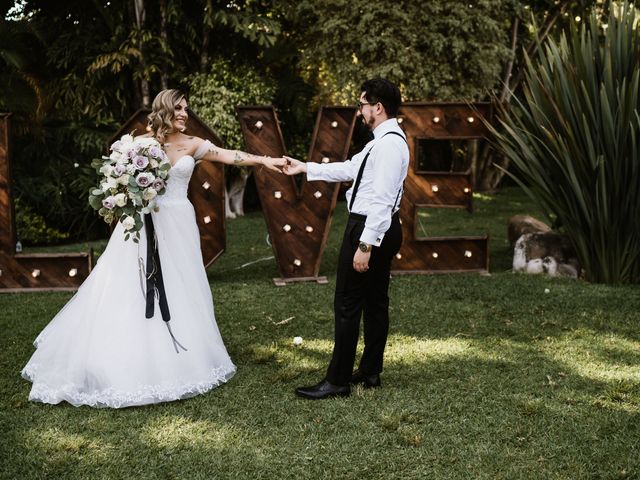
(574, 141)
(215, 95)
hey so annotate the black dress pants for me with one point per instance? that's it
(358, 293)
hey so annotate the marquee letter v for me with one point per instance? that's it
(298, 221)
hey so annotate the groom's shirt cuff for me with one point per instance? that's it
(330, 172)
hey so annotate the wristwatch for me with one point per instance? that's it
(364, 247)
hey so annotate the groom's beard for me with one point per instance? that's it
(368, 123)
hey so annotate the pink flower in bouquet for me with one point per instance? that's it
(119, 169)
(158, 184)
(109, 202)
(140, 162)
(117, 145)
(145, 179)
(131, 153)
(155, 152)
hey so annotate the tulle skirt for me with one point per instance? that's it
(101, 351)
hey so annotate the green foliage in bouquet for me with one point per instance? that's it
(574, 141)
(214, 96)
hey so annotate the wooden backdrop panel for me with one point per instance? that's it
(439, 121)
(298, 221)
(37, 271)
(206, 188)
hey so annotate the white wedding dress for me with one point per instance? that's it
(101, 351)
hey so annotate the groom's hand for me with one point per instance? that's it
(293, 166)
(361, 261)
(275, 164)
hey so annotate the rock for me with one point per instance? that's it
(521, 224)
(545, 253)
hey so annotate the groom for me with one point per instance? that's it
(372, 237)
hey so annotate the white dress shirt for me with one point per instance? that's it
(380, 189)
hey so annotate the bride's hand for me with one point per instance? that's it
(275, 164)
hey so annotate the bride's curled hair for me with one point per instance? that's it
(162, 109)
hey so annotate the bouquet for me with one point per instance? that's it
(132, 176)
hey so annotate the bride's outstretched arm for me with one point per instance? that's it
(242, 159)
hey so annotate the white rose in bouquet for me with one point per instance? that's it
(128, 222)
(149, 194)
(120, 199)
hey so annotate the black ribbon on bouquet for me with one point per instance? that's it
(155, 282)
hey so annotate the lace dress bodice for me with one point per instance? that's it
(180, 175)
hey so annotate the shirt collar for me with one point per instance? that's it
(387, 126)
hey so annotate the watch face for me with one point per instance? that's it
(364, 247)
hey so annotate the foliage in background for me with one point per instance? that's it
(92, 64)
(574, 139)
(214, 96)
(52, 176)
(33, 230)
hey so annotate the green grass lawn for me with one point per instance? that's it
(485, 377)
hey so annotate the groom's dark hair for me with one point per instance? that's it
(383, 91)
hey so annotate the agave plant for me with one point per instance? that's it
(574, 138)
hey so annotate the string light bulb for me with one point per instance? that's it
(287, 228)
(35, 273)
(470, 119)
(73, 272)
(434, 254)
(207, 219)
(297, 262)
(259, 124)
(309, 228)
(398, 256)
(318, 194)
(206, 185)
(277, 194)
(334, 124)
(468, 254)
(436, 119)
(434, 188)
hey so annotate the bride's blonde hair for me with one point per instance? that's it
(162, 109)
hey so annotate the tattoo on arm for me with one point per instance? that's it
(214, 151)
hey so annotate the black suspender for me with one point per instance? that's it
(361, 171)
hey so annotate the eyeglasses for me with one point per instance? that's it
(360, 104)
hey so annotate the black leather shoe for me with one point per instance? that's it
(322, 390)
(367, 381)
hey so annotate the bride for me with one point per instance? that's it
(100, 350)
